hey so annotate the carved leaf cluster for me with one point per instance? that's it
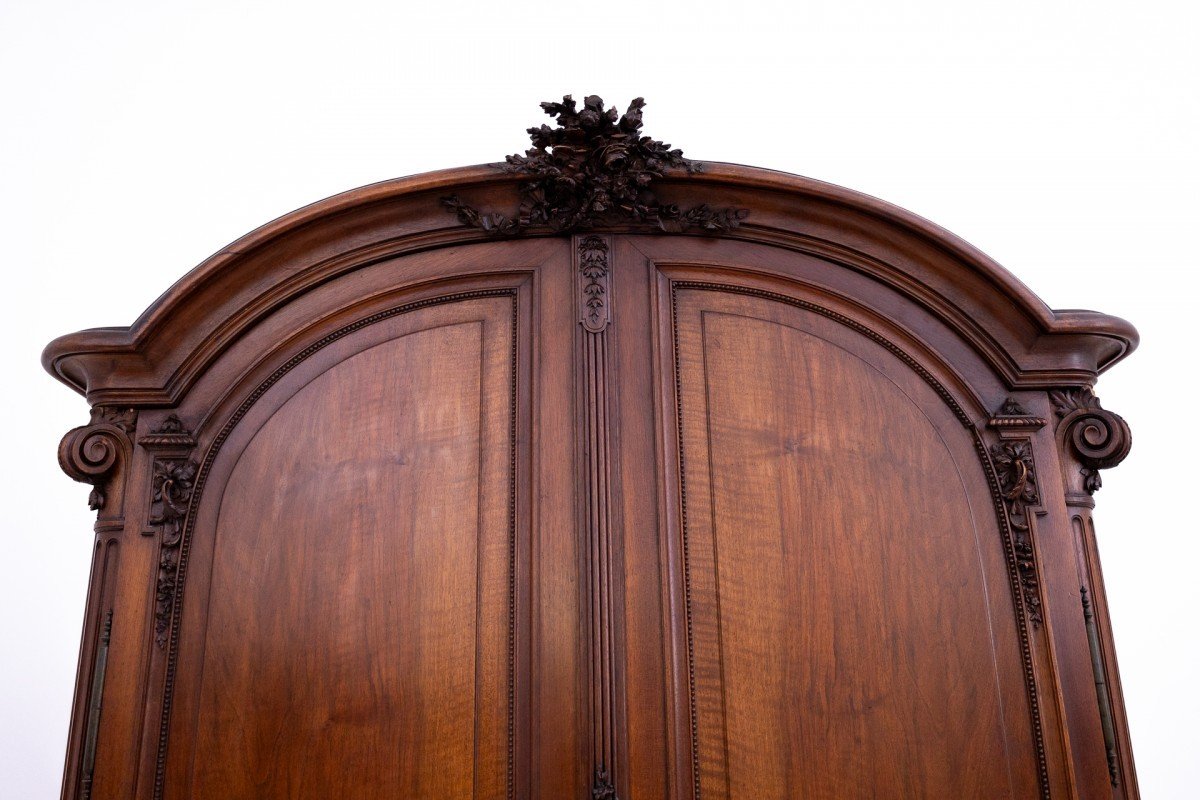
(593, 266)
(594, 169)
(1012, 408)
(1067, 401)
(123, 418)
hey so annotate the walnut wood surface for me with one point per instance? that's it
(390, 508)
(867, 607)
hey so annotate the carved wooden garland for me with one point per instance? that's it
(1013, 462)
(174, 476)
(595, 169)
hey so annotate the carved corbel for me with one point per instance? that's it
(1095, 437)
(1091, 439)
(94, 452)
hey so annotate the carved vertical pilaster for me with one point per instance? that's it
(92, 734)
(99, 453)
(173, 476)
(1012, 458)
(593, 293)
(1090, 439)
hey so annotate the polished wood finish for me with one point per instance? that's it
(796, 506)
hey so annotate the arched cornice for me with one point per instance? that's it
(156, 359)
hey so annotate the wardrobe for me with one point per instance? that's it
(597, 473)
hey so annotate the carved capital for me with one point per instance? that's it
(92, 452)
(1096, 437)
(595, 169)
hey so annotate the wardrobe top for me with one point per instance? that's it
(160, 354)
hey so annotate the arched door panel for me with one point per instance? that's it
(358, 630)
(838, 567)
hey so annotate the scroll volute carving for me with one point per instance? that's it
(1094, 436)
(93, 454)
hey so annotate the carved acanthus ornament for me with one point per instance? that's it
(593, 270)
(1096, 437)
(90, 453)
(595, 169)
(172, 482)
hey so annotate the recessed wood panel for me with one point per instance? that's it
(357, 640)
(839, 624)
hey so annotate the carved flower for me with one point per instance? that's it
(173, 487)
(614, 155)
(593, 169)
(1014, 468)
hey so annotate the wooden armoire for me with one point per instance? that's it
(600, 473)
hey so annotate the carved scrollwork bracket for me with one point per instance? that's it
(595, 169)
(91, 453)
(172, 481)
(1096, 437)
(1012, 459)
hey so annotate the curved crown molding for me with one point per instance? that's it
(155, 360)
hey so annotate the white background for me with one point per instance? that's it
(137, 138)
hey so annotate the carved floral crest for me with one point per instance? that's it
(594, 169)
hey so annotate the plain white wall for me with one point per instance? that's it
(139, 137)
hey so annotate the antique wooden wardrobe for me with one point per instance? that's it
(598, 474)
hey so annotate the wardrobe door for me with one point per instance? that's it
(836, 598)
(357, 620)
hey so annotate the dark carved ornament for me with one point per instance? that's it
(602, 787)
(89, 454)
(593, 268)
(172, 490)
(595, 169)
(1013, 461)
(1098, 438)
(171, 484)
(171, 433)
